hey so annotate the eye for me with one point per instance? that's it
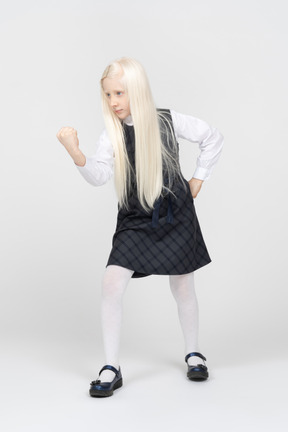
(119, 93)
(108, 94)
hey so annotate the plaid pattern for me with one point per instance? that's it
(173, 245)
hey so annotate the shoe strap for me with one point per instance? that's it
(195, 354)
(109, 367)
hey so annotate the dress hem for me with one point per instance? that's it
(138, 274)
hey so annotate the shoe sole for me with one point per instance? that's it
(106, 393)
(198, 376)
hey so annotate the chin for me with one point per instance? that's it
(122, 116)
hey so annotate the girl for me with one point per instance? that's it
(157, 229)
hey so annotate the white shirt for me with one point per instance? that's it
(98, 168)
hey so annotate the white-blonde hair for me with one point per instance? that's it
(151, 154)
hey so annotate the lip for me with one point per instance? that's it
(118, 111)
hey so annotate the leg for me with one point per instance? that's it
(115, 281)
(183, 290)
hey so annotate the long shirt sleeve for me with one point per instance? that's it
(209, 139)
(98, 168)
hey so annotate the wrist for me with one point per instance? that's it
(78, 157)
(196, 180)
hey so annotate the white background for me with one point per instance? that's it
(224, 62)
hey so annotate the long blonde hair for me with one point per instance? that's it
(151, 155)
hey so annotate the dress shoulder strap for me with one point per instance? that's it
(165, 119)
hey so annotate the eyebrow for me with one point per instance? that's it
(115, 91)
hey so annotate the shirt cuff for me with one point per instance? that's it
(202, 173)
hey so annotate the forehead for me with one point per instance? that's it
(115, 83)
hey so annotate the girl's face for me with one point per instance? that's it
(116, 96)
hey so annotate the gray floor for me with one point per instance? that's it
(44, 387)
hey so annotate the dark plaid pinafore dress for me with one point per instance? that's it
(167, 240)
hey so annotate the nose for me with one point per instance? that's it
(113, 101)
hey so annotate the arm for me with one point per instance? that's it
(96, 169)
(210, 142)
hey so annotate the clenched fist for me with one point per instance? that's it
(68, 137)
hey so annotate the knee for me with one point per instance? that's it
(114, 282)
(110, 288)
(182, 286)
(184, 280)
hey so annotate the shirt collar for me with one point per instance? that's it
(128, 121)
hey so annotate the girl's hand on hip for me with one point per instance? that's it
(195, 186)
(68, 137)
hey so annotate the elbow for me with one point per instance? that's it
(219, 139)
(102, 178)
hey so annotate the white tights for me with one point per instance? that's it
(115, 281)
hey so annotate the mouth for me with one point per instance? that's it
(118, 111)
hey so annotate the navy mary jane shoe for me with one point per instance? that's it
(104, 389)
(197, 372)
